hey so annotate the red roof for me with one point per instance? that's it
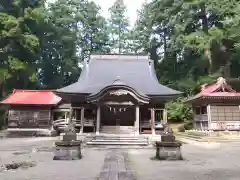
(32, 97)
(218, 89)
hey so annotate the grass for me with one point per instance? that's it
(175, 126)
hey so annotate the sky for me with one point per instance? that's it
(132, 7)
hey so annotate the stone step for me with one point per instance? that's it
(117, 129)
(188, 138)
(98, 147)
(118, 140)
(118, 143)
(189, 135)
(208, 139)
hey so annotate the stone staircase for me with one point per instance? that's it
(201, 138)
(120, 140)
(117, 130)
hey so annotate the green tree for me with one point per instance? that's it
(191, 38)
(74, 30)
(18, 44)
(118, 27)
(191, 41)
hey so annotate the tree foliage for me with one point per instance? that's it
(42, 44)
(192, 42)
(178, 111)
(118, 27)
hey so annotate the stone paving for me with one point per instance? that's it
(202, 161)
(116, 167)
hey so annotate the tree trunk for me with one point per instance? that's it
(165, 43)
(119, 37)
(204, 18)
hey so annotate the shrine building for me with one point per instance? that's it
(216, 107)
(114, 94)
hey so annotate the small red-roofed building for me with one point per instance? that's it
(216, 107)
(31, 110)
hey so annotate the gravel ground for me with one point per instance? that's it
(40, 152)
(202, 161)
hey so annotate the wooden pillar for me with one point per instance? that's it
(164, 116)
(209, 117)
(82, 120)
(65, 116)
(137, 121)
(51, 119)
(153, 121)
(70, 115)
(98, 120)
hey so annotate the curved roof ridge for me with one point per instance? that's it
(31, 90)
(94, 96)
(119, 81)
(122, 57)
(84, 72)
(152, 70)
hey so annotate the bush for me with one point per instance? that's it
(181, 128)
(188, 125)
(178, 111)
(1, 119)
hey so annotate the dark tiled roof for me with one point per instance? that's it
(136, 71)
(64, 106)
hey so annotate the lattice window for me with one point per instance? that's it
(43, 115)
(159, 115)
(201, 110)
(26, 115)
(225, 113)
(13, 115)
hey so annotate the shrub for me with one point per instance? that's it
(188, 125)
(181, 128)
(178, 111)
(1, 121)
(2, 116)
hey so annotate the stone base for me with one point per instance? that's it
(18, 132)
(67, 150)
(155, 138)
(79, 136)
(168, 151)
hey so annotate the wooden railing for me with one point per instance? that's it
(201, 117)
(145, 123)
(61, 123)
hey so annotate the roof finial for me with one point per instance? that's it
(221, 80)
(203, 87)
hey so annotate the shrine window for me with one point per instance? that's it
(204, 110)
(199, 110)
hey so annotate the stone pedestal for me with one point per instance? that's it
(67, 150)
(167, 138)
(168, 150)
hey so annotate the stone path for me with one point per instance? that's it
(116, 166)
